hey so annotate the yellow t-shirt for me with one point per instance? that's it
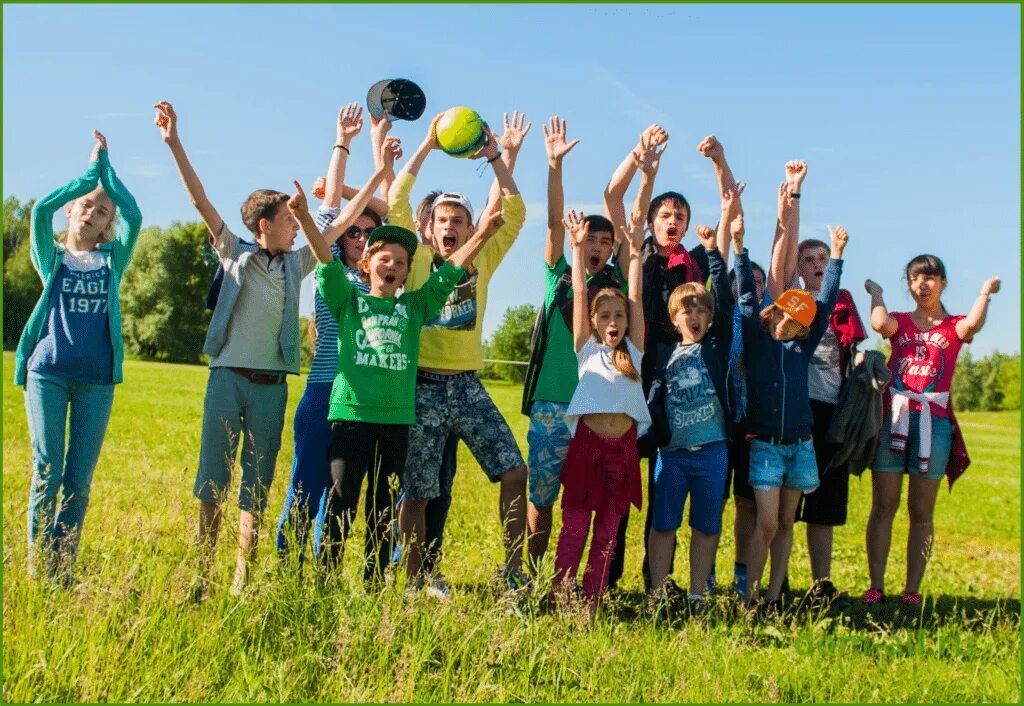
(454, 339)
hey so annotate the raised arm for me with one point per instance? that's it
(379, 130)
(121, 197)
(615, 191)
(971, 324)
(350, 122)
(167, 121)
(464, 255)
(782, 269)
(711, 148)
(732, 209)
(881, 320)
(511, 141)
(647, 159)
(300, 209)
(633, 235)
(557, 148)
(502, 174)
(578, 230)
(391, 150)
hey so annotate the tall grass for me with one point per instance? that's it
(128, 632)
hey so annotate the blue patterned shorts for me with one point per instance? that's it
(460, 404)
(548, 438)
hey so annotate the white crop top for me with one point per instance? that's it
(604, 390)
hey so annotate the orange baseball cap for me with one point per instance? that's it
(799, 304)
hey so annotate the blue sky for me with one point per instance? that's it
(908, 116)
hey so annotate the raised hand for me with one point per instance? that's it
(991, 286)
(297, 203)
(488, 228)
(166, 120)
(554, 140)
(786, 199)
(731, 196)
(514, 131)
(839, 240)
(577, 228)
(707, 237)
(379, 129)
(350, 122)
(634, 231)
(101, 144)
(652, 146)
(872, 288)
(320, 187)
(390, 150)
(431, 137)
(796, 170)
(711, 148)
(489, 151)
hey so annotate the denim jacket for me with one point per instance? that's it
(777, 400)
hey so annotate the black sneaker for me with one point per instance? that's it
(824, 593)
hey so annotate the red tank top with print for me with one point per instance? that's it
(923, 361)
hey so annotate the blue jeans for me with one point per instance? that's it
(306, 500)
(437, 508)
(47, 399)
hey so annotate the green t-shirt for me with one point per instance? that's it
(379, 344)
(559, 374)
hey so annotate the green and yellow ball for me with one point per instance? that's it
(460, 131)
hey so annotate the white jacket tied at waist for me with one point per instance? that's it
(900, 407)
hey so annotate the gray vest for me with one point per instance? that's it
(234, 272)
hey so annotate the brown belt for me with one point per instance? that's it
(259, 378)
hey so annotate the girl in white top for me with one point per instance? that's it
(601, 473)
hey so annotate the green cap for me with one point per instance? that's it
(394, 234)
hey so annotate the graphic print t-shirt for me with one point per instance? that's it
(923, 361)
(694, 413)
(824, 375)
(458, 313)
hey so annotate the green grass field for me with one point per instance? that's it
(128, 633)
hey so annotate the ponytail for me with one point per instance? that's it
(623, 362)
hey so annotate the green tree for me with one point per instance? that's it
(967, 383)
(22, 288)
(163, 293)
(17, 223)
(512, 341)
(1009, 381)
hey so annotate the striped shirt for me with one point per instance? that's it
(325, 358)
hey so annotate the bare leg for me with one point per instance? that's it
(819, 546)
(412, 520)
(921, 504)
(660, 547)
(703, 548)
(538, 523)
(512, 509)
(248, 537)
(782, 544)
(886, 489)
(767, 526)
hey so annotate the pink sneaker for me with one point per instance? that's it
(874, 596)
(911, 598)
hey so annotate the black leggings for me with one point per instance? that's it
(359, 449)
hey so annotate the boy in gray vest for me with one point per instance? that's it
(253, 344)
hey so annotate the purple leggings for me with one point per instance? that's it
(575, 527)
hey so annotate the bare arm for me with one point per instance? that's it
(415, 162)
(379, 130)
(785, 248)
(881, 320)
(646, 157)
(300, 209)
(511, 142)
(167, 121)
(557, 148)
(578, 230)
(633, 235)
(352, 210)
(711, 148)
(972, 324)
(350, 122)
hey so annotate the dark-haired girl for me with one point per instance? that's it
(920, 436)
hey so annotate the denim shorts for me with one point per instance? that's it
(793, 466)
(699, 474)
(888, 461)
(460, 404)
(548, 439)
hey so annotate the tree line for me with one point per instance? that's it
(163, 297)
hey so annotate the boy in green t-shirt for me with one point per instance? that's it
(373, 398)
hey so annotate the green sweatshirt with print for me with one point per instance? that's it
(379, 344)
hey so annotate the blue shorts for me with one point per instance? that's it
(701, 474)
(792, 466)
(888, 461)
(548, 438)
